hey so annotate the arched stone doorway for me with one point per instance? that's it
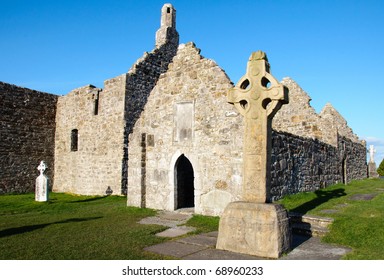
(184, 181)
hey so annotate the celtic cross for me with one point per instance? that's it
(257, 96)
(42, 167)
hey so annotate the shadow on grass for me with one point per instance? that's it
(89, 199)
(24, 229)
(322, 197)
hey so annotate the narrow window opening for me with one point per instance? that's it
(96, 104)
(168, 10)
(96, 110)
(74, 140)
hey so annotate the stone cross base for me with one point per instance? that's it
(372, 170)
(257, 229)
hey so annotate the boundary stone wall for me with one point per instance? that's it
(27, 131)
(302, 164)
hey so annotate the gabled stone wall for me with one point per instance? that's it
(300, 118)
(335, 122)
(27, 130)
(187, 114)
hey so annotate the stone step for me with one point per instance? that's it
(308, 230)
(309, 225)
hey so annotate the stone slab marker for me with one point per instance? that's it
(41, 187)
(254, 226)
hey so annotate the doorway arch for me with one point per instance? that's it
(184, 182)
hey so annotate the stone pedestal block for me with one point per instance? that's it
(254, 228)
(372, 170)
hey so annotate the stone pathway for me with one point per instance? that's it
(202, 246)
(174, 220)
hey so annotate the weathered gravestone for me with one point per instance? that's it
(372, 170)
(41, 188)
(255, 226)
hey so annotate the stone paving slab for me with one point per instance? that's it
(211, 234)
(342, 205)
(168, 219)
(313, 249)
(197, 247)
(174, 216)
(368, 196)
(213, 254)
(158, 221)
(176, 231)
(200, 240)
(202, 247)
(175, 249)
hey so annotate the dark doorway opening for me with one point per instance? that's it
(184, 183)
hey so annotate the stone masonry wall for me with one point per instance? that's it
(27, 129)
(98, 117)
(353, 159)
(303, 164)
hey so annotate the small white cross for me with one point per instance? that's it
(42, 167)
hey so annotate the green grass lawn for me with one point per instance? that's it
(358, 224)
(103, 228)
(74, 227)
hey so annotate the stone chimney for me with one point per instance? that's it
(167, 32)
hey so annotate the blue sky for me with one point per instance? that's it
(332, 49)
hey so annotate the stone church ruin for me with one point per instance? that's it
(164, 135)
